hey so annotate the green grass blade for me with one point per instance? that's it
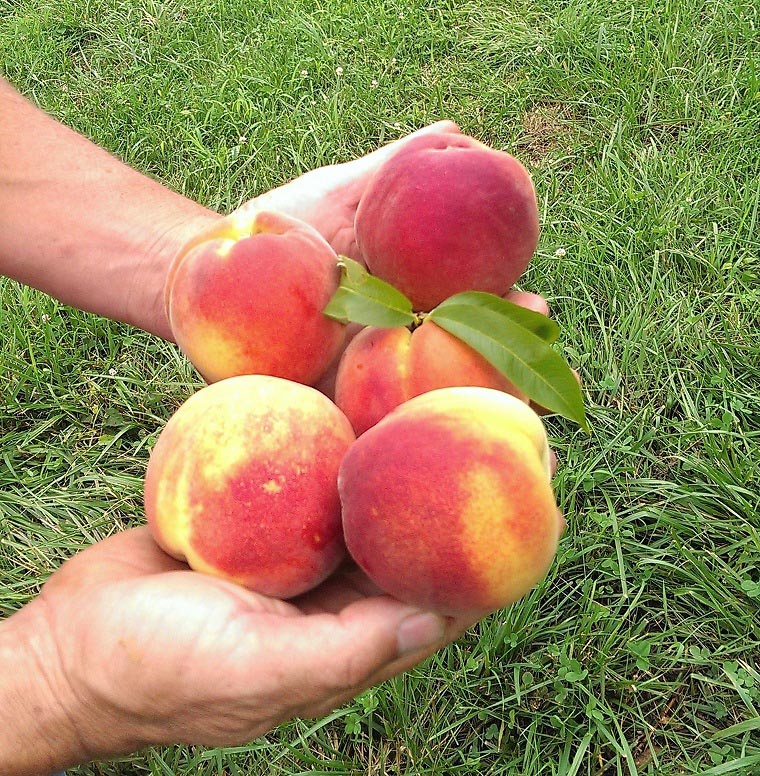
(738, 729)
(744, 765)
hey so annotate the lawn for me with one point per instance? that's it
(640, 123)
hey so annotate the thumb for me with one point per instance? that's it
(371, 161)
(341, 653)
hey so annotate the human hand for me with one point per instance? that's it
(327, 198)
(143, 651)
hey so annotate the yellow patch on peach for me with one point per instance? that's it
(172, 494)
(489, 510)
(181, 475)
(219, 348)
(272, 486)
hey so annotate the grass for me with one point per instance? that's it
(640, 122)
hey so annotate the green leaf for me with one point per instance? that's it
(365, 299)
(522, 356)
(539, 324)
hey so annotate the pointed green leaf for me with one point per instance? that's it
(521, 355)
(365, 299)
(539, 324)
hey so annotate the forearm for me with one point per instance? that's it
(37, 736)
(82, 226)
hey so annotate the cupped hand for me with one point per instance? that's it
(327, 197)
(152, 653)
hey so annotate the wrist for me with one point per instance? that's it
(145, 298)
(39, 733)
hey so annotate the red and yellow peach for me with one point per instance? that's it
(446, 214)
(247, 295)
(382, 368)
(447, 501)
(242, 484)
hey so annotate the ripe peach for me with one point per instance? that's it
(242, 484)
(382, 368)
(447, 502)
(447, 214)
(246, 297)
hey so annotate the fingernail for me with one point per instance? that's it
(418, 631)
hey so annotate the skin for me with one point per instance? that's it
(80, 663)
(125, 648)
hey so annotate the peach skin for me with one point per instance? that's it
(446, 214)
(382, 368)
(242, 484)
(246, 297)
(447, 502)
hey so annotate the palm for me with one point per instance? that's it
(206, 661)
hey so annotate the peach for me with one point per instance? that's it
(382, 368)
(246, 297)
(447, 214)
(447, 501)
(242, 484)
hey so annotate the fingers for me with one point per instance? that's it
(453, 629)
(445, 125)
(332, 656)
(345, 587)
(528, 300)
(373, 160)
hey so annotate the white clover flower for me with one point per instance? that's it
(338, 71)
(539, 48)
(560, 252)
(45, 317)
(304, 73)
(112, 372)
(373, 85)
(242, 139)
(361, 40)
